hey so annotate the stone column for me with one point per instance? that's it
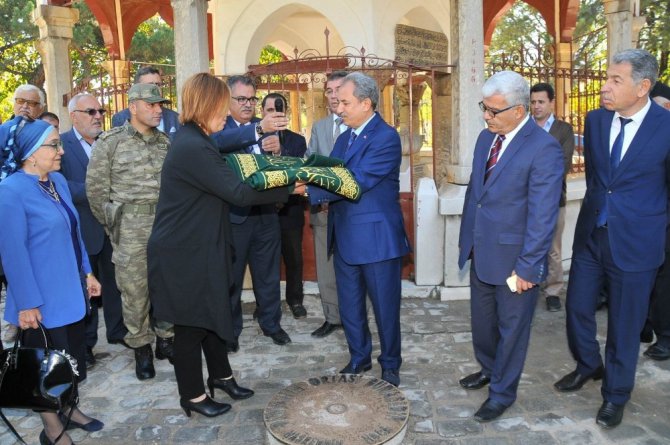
(464, 88)
(119, 72)
(619, 26)
(467, 53)
(55, 24)
(562, 82)
(190, 39)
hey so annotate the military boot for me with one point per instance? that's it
(144, 363)
(165, 348)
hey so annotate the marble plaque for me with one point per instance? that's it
(420, 47)
(342, 409)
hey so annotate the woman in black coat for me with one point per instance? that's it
(189, 251)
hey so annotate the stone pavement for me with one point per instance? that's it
(437, 352)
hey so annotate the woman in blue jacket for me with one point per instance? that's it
(42, 252)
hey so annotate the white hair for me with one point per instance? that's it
(510, 85)
(31, 88)
(72, 104)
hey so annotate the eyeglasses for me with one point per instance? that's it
(158, 84)
(494, 112)
(93, 111)
(30, 103)
(241, 100)
(55, 146)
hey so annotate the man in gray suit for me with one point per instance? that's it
(542, 109)
(322, 140)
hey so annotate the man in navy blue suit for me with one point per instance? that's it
(509, 216)
(255, 229)
(620, 231)
(169, 119)
(367, 237)
(291, 214)
(86, 116)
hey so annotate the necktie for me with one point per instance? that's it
(615, 159)
(615, 156)
(336, 130)
(352, 138)
(250, 148)
(493, 156)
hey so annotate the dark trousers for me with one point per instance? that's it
(501, 323)
(189, 345)
(381, 282)
(291, 252)
(71, 338)
(659, 306)
(103, 269)
(628, 305)
(257, 242)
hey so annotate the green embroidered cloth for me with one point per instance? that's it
(264, 172)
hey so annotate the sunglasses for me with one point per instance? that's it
(93, 111)
(30, 103)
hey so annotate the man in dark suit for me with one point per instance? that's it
(367, 237)
(86, 117)
(169, 119)
(322, 140)
(620, 231)
(291, 214)
(256, 233)
(542, 109)
(509, 215)
(658, 321)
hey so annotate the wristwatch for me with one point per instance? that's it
(259, 129)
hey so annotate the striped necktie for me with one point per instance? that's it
(352, 138)
(493, 156)
(336, 130)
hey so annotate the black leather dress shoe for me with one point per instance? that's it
(280, 337)
(609, 415)
(658, 352)
(553, 303)
(298, 311)
(392, 376)
(574, 380)
(231, 388)
(474, 381)
(647, 334)
(326, 329)
(90, 358)
(165, 348)
(356, 369)
(206, 407)
(144, 363)
(489, 410)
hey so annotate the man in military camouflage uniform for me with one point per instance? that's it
(122, 185)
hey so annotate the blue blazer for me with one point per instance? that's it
(636, 193)
(37, 252)
(170, 120)
(370, 230)
(73, 166)
(508, 222)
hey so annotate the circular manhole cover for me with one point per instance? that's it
(343, 409)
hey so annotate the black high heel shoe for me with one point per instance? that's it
(44, 440)
(230, 386)
(92, 426)
(206, 407)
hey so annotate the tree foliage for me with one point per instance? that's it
(20, 61)
(655, 36)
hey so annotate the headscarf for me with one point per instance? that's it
(19, 139)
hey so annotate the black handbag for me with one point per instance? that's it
(41, 378)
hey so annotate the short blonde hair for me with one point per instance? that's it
(201, 96)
